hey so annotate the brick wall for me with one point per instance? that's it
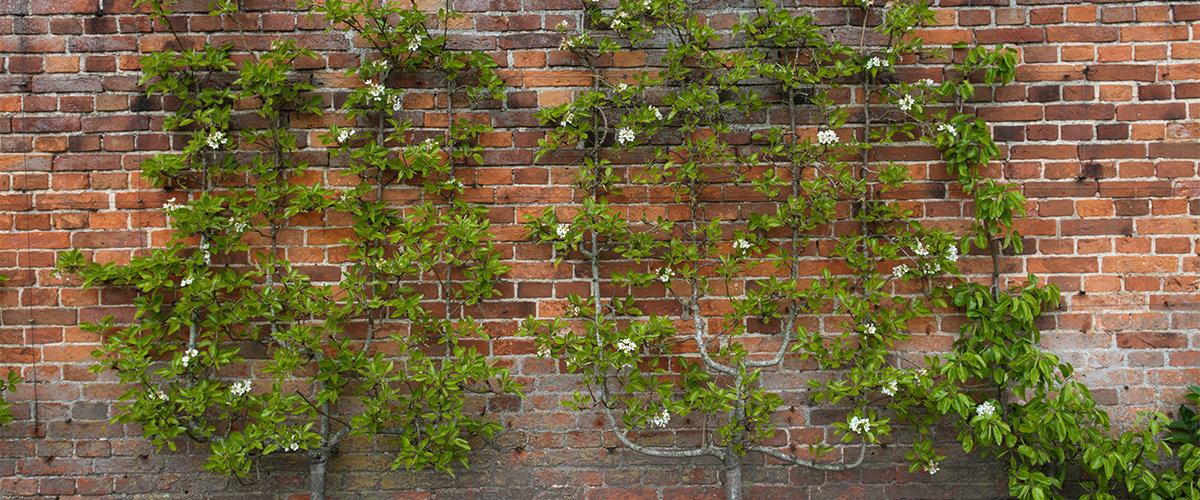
(1100, 130)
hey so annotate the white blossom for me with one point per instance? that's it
(646, 4)
(665, 274)
(622, 87)
(900, 270)
(345, 134)
(396, 103)
(240, 388)
(658, 114)
(869, 328)
(574, 310)
(543, 351)
(952, 253)
(626, 346)
(240, 226)
(375, 90)
(741, 244)
(562, 230)
(618, 21)
(860, 425)
(906, 103)
(625, 135)
(920, 249)
(932, 468)
(415, 44)
(661, 419)
(567, 119)
(158, 394)
(188, 356)
(876, 62)
(563, 25)
(170, 206)
(827, 137)
(215, 139)
(890, 388)
(986, 409)
(948, 129)
(187, 280)
(926, 82)
(293, 446)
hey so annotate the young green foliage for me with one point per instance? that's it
(777, 79)
(235, 345)
(747, 282)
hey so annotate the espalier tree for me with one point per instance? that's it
(823, 264)
(237, 346)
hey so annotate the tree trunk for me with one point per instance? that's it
(733, 479)
(317, 463)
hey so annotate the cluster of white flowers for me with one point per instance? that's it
(187, 280)
(920, 249)
(661, 419)
(876, 62)
(665, 274)
(626, 346)
(215, 139)
(345, 134)
(395, 103)
(292, 446)
(207, 255)
(926, 82)
(240, 226)
(625, 135)
(986, 409)
(415, 43)
(375, 90)
(906, 103)
(890, 388)
(952, 253)
(741, 244)
(240, 388)
(188, 356)
(562, 230)
(567, 119)
(658, 114)
(622, 87)
(932, 468)
(900, 270)
(827, 137)
(646, 4)
(569, 43)
(574, 310)
(869, 328)
(543, 351)
(619, 20)
(158, 394)
(170, 206)
(860, 425)
(946, 128)
(563, 25)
